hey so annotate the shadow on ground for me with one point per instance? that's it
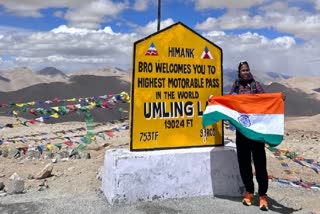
(273, 204)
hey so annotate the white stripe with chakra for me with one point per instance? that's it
(261, 123)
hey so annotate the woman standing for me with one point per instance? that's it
(248, 149)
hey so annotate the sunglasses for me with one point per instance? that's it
(243, 62)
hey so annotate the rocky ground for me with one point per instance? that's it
(80, 173)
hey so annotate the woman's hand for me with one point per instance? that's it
(284, 96)
(209, 98)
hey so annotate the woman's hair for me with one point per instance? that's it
(240, 64)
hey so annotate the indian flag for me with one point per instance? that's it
(259, 117)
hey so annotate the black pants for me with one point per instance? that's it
(246, 148)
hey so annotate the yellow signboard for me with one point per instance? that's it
(174, 72)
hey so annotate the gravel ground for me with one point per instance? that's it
(74, 187)
(282, 199)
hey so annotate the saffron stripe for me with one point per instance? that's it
(266, 103)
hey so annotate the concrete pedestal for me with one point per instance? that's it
(144, 176)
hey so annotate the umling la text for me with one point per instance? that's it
(164, 110)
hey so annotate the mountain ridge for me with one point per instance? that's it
(303, 99)
(51, 71)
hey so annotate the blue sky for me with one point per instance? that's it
(279, 36)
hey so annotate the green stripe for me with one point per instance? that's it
(214, 117)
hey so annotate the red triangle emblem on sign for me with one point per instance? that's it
(152, 51)
(206, 54)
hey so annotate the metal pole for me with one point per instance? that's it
(159, 14)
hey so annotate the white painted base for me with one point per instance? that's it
(178, 173)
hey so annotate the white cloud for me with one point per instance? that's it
(205, 4)
(32, 7)
(151, 27)
(5, 64)
(279, 6)
(292, 20)
(278, 16)
(83, 43)
(59, 14)
(281, 54)
(75, 48)
(284, 42)
(216, 34)
(92, 14)
(82, 31)
(317, 4)
(301, 26)
(231, 22)
(69, 48)
(80, 13)
(141, 5)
